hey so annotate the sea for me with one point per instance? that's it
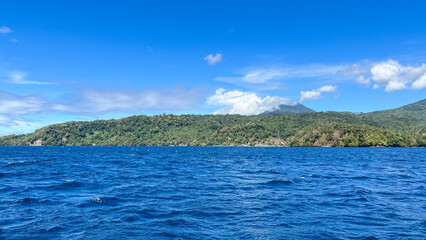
(212, 193)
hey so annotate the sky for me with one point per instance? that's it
(85, 60)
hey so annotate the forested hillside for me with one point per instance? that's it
(408, 117)
(405, 126)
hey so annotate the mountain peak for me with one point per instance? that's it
(298, 108)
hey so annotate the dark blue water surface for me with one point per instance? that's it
(212, 193)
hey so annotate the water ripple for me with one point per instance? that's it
(212, 193)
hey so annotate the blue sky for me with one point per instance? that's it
(85, 60)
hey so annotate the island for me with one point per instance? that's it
(400, 127)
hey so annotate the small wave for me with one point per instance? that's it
(369, 238)
(72, 183)
(148, 213)
(106, 201)
(169, 235)
(52, 229)
(96, 200)
(172, 222)
(22, 162)
(363, 191)
(361, 178)
(278, 182)
(132, 218)
(261, 171)
(361, 199)
(28, 200)
(366, 220)
(67, 184)
(226, 213)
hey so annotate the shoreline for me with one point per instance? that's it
(231, 146)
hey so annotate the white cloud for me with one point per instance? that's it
(13, 107)
(19, 78)
(309, 95)
(21, 127)
(388, 74)
(263, 75)
(420, 83)
(393, 76)
(5, 30)
(245, 103)
(213, 59)
(177, 99)
(16, 109)
(362, 80)
(316, 94)
(327, 88)
(354, 69)
(13, 104)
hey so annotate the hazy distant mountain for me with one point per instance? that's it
(298, 108)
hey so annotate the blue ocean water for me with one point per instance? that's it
(212, 193)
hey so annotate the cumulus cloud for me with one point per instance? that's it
(246, 103)
(393, 76)
(316, 94)
(20, 78)
(213, 59)
(327, 88)
(309, 95)
(5, 30)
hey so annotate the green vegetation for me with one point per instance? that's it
(355, 135)
(401, 127)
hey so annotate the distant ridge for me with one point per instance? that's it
(417, 106)
(298, 108)
(408, 117)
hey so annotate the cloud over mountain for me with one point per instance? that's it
(246, 103)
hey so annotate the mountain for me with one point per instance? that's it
(401, 127)
(408, 117)
(298, 108)
(414, 107)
